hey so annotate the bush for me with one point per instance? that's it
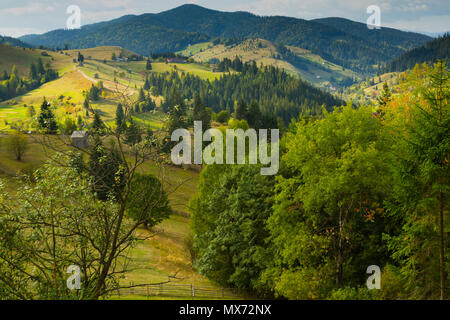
(223, 116)
(17, 144)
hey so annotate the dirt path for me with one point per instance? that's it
(110, 85)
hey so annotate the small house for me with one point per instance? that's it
(80, 139)
(177, 60)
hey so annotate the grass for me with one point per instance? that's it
(153, 259)
(99, 53)
(195, 48)
(71, 84)
(319, 71)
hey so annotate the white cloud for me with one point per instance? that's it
(33, 8)
(425, 23)
(17, 32)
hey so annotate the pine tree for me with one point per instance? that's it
(132, 133)
(120, 116)
(46, 119)
(86, 103)
(385, 96)
(148, 66)
(241, 110)
(146, 84)
(98, 125)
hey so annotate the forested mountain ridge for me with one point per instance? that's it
(13, 42)
(175, 29)
(430, 52)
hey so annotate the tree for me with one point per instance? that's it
(120, 117)
(254, 115)
(31, 112)
(86, 103)
(76, 229)
(105, 168)
(80, 58)
(147, 201)
(68, 126)
(228, 219)
(420, 166)
(132, 133)
(141, 97)
(223, 116)
(385, 96)
(148, 65)
(241, 110)
(46, 119)
(33, 72)
(113, 56)
(17, 143)
(146, 84)
(329, 198)
(97, 125)
(201, 113)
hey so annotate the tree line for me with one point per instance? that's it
(356, 187)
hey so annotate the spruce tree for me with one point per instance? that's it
(46, 119)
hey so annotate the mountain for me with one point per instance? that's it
(344, 42)
(430, 52)
(13, 42)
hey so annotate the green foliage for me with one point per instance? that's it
(430, 52)
(13, 86)
(228, 219)
(46, 119)
(37, 248)
(223, 116)
(17, 144)
(420, 168)
(328, 200)
(275, 92)
(106, 168)
(147, 201)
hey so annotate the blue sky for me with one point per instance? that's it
(19, 17)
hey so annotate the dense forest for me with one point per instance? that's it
(341, 41)
(355, 188)
(430, 52)
(275, 91)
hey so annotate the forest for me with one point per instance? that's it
(275, 91)
(357, 187)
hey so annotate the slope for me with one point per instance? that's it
(175, 29)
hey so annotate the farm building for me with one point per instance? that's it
(80, 139)
(177, 60)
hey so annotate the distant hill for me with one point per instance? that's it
(343, 42)
(430, 52)
(13, 42)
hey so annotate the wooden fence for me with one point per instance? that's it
(178, 290)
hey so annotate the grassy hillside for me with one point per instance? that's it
(367, 91)
(312, 67)
(66, 92)
(99, 53)
(22, 58)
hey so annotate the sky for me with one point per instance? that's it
(19, 17)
